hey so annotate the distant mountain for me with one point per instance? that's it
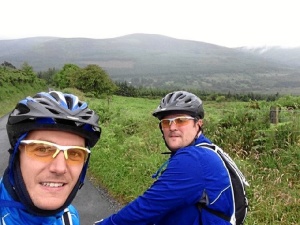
(160, 61)
(288, 56)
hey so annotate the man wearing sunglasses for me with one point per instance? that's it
(50, 136)
(191, 176)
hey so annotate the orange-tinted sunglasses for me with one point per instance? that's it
(46, 151)
(179, 121)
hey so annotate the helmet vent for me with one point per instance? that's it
(53, 111)
(86, 117)
(23, 109)
(43, 102)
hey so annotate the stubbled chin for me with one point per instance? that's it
(49, 203)
(173, 145)
(49, 198)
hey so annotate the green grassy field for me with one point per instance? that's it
(130, 148)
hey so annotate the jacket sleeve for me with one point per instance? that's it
(180, 185)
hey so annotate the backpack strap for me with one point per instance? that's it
(227, 159)
(66, 217)
(202, 205)
(214, 212)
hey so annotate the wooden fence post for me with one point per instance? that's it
(274, 114)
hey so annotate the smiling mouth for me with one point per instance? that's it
(53, 184)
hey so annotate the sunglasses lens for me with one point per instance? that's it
(45, 152)
(165, 123)
(179, 121)
(77, 155)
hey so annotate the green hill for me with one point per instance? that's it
(160, 61)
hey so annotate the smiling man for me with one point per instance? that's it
(193, 174)
(50, 135)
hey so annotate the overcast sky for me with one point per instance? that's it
(230, 23)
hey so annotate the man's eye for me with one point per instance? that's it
(76, 154)
(42, 149)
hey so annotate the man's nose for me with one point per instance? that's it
(172, 125)
(59, 164)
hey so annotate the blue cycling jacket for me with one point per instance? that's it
(18, 216)
(192, 173)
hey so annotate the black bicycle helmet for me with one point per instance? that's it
(55, 111)
(181, 102)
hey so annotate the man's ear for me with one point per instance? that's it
(200, 122)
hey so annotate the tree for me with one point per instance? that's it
(48, 75)
(124, 89)
(94, 79)
(8, 65)
(28, 72)
(66, 77)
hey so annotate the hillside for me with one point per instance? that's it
(160, 61)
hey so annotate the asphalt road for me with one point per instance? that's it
(92, 203)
